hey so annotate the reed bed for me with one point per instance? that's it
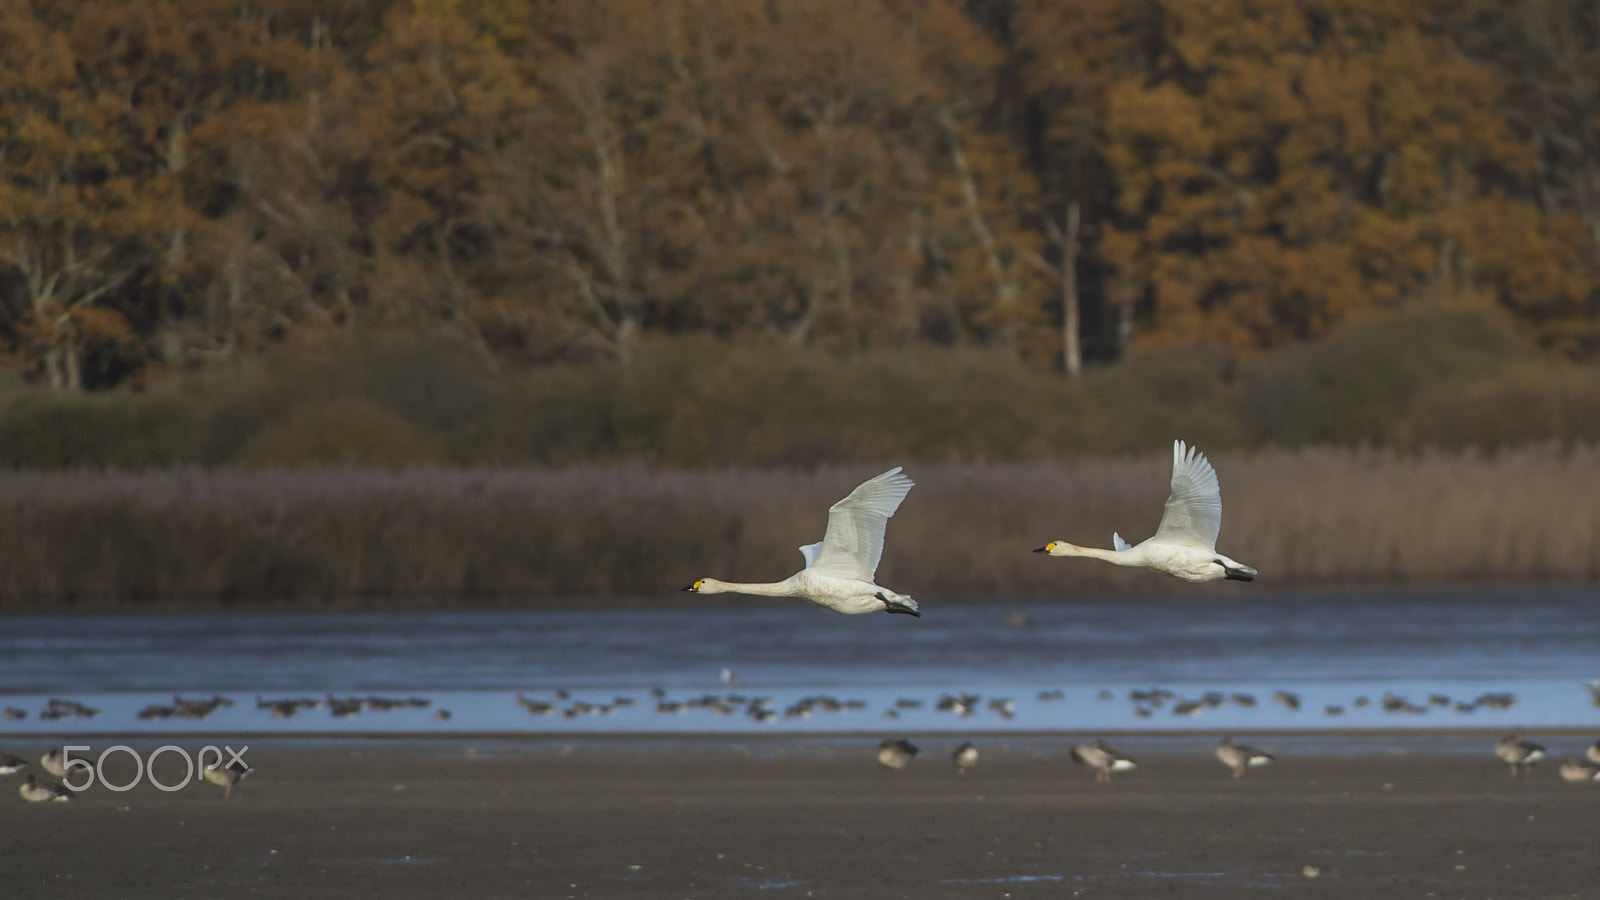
(436, 536)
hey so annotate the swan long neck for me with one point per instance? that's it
(1115, 557)
(762, 589)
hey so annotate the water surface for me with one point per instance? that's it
(1539, 648)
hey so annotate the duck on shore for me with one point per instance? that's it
(1578, 770)
(895, 753)
(35, 791)
(1519, 754)
(965, 758)
(226, 776)
(1239, 757)
(1103, 759)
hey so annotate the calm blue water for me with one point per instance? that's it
(1329, 649)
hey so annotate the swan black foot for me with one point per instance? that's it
(1239, 574)
(895, 606)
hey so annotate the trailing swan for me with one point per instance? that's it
(1185, 544)
(840, 568)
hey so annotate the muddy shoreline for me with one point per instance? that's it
(718, 818)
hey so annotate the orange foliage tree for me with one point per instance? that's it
(561, 178)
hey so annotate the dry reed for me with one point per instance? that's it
(435, 536)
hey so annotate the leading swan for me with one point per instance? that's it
(1185, 545)
(840, 568)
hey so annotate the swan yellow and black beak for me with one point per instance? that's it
(1045, 548)
(695, 588)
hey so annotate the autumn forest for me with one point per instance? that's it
(542, 180)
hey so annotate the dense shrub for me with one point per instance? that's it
(1453, 379)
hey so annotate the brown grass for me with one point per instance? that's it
(438, 536)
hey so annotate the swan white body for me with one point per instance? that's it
(840, 568)
(1185, 544)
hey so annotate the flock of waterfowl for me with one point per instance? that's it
(341, 707)
(55, 762)
(839, 572)
(185, 708)
(838, 575)
(1148, 702)
(1522, 755)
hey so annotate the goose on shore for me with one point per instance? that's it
(11, 765)
(1577, 770)
(1238, 757)
(1102, 759)
(1185, 544)
(840, 568)
(227, 776)
(895, 754)
(1593, 753)
(965, 757)
(52, 763)
(35, 791)
(1518, 753)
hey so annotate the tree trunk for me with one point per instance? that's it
(627, 331)
(72, 354)
(1066, 238)
(1008, 292)
(54, 371)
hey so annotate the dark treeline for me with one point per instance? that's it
(558, 180)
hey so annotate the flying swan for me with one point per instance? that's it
(1185, 545)
(839, 568)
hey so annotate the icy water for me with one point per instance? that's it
(1311, 662)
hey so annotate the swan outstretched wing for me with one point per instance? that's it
(1194, 510)
(853, 543)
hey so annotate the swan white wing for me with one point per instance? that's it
(853, 543)
(810, 551)
(1117, 543)
(1193, 516)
